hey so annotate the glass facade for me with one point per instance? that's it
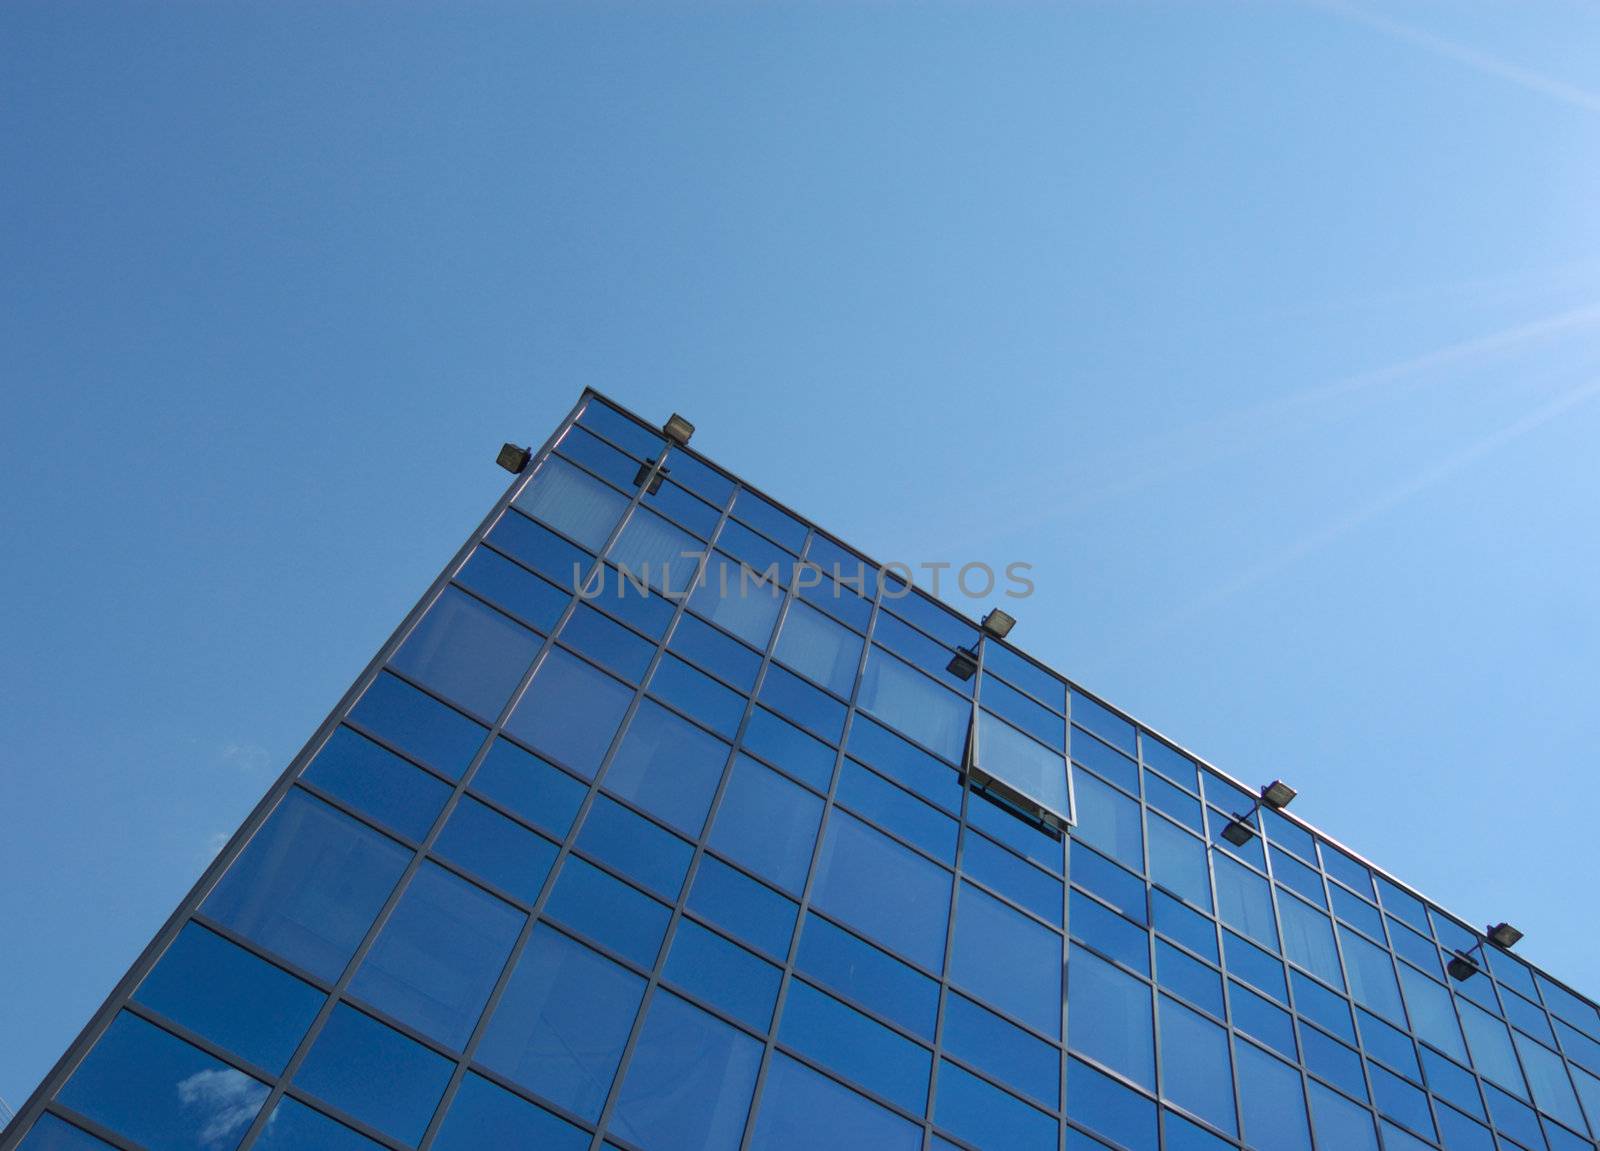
(722, 853)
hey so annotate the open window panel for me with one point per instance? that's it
(1019, 773)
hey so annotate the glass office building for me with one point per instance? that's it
(772, 857)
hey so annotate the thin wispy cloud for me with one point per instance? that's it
(1524, 77)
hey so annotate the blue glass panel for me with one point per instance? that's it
(1109, 820)
(1526, 1017)
(767, 824)
(1178, 861)
(1408, 907)
(309, 884)
(243, 1004)
(1117, 886)
(1346, 870)
(296, 1127)
(1002, 1049)
(720, 654)
(1308, 940)
(1262, 971)
(1579, 1046)
(1513, 1118)
(598, 456)
(889, 755)
(1339, 1122)
(654, 552)
(152, 1087)
(883, 890)
(634, 604)
(668, 766)
(484, 1115)
(1552, 1090)
(525, 784)
(802, 1110)
(1290, 872)
(1332, 1060)
(915, 705)
(1024, 674)
(378, 783)
(1257, 1017)
(375, 1074)
(1109, 1019)
(1173, 764)
(439, 955)
(541, 549)
(1021, 711)
(1007, 960)
(928, 655)
(925, 612)
(770, 520)
(746, 909)
(697, 695)
(1174, 801)
(784, 745)
(689, 1081)
(419, 725)
(1109, 933)
(52, 1133)
(1182, 974)
(1371, 974)
(724, 974)
(573, 502)
(1458, 1133)
(734, 597)
(562, 1024)
(1388, 1044)
(570, 712)
(1399, 1139)
(869, 794)
(1244, 902)
(987, 1117)
(1411, 946)
(857, 970)
(842, 1039)
(845, 586)
(607, 643)
(1023, 764)
(1101, 1104)
(1000, 822)
(1400, 1101)
(818, 648)
(1433, 1016)
(1568, 1006)
(1286, 834)
(759, 555)
(1104, 760)
(1272, 1102)
(1357, 912)
(1195, 1069)
(791, 696)
(1322, 1006)
(1184, 1134)
(536, 601)
(1176, 921)
(689, 510)
(497, 849)
(607, 910)
(1018, 880)
(1453, 1083)
(1560, 1139)
(626, 433)
(648, 854)
(1103, 722)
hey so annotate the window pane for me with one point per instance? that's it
(857, 970)
(1257, 1017)
(1102, 1104)
(1109, 1018)
(1371, 972)
(869, 794)
(468, 652)
(54, 1134)
(1012, 877)
(1022, 764)
(606, 421)
(599, 905)
(528, 786)
(309, 884)
(732, 597)
(767, 824)
(654, 552)
(1007, 960)
(667, 766)
(697, 695)
(1103, 722)
(721, 655)
(1262, 971)
(561, 1027)
(1195, 1071)
(295, 1127)
(152, 1087)
(1104, 760)
(378, 783)
(785, 746)
(1109, 933)
(1003, 1050)
(1189, 928)
(723, 974)
(375, 1074)
(1173, 764)
(1273, 1102)
(541, 549)
(1433, 1016)
(607, 643)
(915, 705)
(1021, 673)
(802, 1111)
(883, 890)
(1109, 820)
(746, 909)
(973, 1110)
(1308, 939)
(1184, 975)
(573, 502)
(689, 1081)
(570, 712)
(242, 1003)
(922, 652)
(1333, 1061)
(1339, 1122)
(770, 520)
(792, 696)
(497, 849)
(419, 725)
(484, 1115)
(439, 955)
(513, 587)
(1177, 861)
(1244, 902)
(819, 649)
(650, 855)
(1552, 1091)
(844, 1040)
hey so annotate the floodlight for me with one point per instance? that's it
(998, 623)
(643, 474)
(962, 665)
(678, 430)
(513, 458)
(1238, 832)
(1504, 935)
(1462, 967)
(1278, 794)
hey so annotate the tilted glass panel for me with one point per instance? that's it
(723, 974)
(1025, 766)
(861, 972)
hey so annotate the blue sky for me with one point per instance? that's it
(1268, 333)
